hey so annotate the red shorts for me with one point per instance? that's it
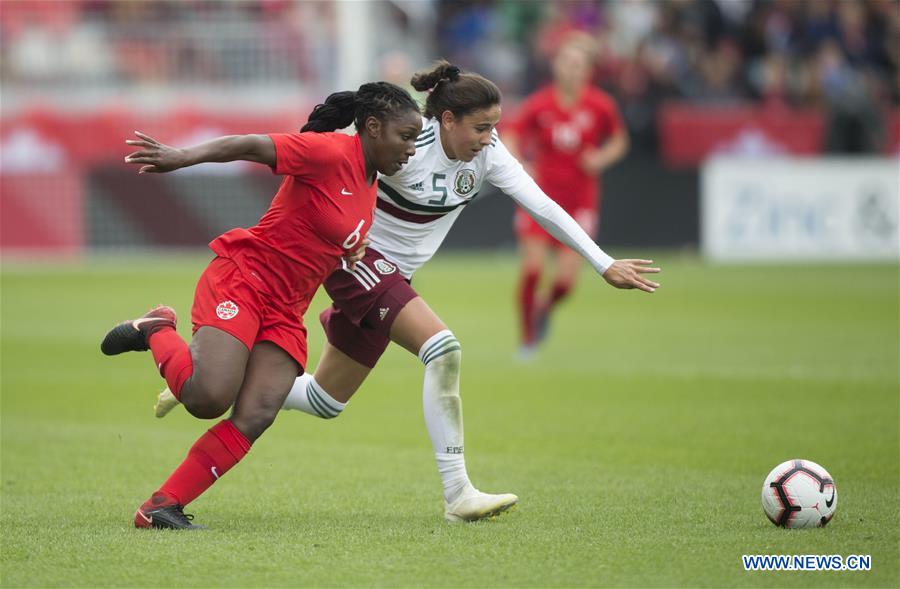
(527, 228)
(226, 301)
(366, 302)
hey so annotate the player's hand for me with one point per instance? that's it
(592, 161)
(353, 257)
(153, 156)
(628, 274)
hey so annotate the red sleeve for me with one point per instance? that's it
(303, 154)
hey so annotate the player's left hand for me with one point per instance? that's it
(628, 274)
(358, 254)
(156, 157)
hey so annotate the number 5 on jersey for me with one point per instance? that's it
(436, 188)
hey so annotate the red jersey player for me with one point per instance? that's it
(249, 341)
(574, 131)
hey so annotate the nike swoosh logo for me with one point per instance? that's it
(830, 502)
(345, 193)
(215, 474)
(149, 520)
(138, 322)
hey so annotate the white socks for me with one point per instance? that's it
(308, 396)
(442, 406)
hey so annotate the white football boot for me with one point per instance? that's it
(473, 505)
(165, 402)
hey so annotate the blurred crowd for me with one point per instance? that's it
(839, 55)
(789, 52)
(842, 55)
(119, 42)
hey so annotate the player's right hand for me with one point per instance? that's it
(356, 255)
(153, 156)
(627, 274)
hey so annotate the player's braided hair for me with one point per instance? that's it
(381, 100)
(451, 89)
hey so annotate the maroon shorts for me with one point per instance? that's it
(226, 301)
(365, 303)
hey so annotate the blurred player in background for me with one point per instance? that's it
(374, 303)
(249, 340)
(572, 131)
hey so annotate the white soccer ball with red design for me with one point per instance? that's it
(799, 494)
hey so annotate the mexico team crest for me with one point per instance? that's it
(227, 310)
(464, 183)
(384, 267)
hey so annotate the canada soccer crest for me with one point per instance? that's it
(465, 182)
(227, 310)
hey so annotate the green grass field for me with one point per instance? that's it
(637, 441)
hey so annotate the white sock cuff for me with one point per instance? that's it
(443, 342)
(323, 403)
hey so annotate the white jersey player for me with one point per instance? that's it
(374, 302)
(417, 206)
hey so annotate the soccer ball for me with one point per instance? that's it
(799, 494)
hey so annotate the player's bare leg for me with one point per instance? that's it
(421, 332)
(219, 361)
(270, 373)
(218, 370)
(268, 376)
(326, 393)
(205, 375)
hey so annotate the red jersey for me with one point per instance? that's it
(557, 136)
(322, 210)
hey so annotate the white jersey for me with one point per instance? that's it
(417, 206)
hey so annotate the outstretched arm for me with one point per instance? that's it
(511, 178)
(626, 273)
(156, 157)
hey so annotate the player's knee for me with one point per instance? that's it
(441, 344)
(208, 400)
(205, 408)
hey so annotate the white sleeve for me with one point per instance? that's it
(506, 173)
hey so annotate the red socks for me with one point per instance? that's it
(172, 357)
(530, 310)
(209, 458)
(527, 288)
(559, 292)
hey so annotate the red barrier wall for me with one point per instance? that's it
(688, 134)
(45, 156)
